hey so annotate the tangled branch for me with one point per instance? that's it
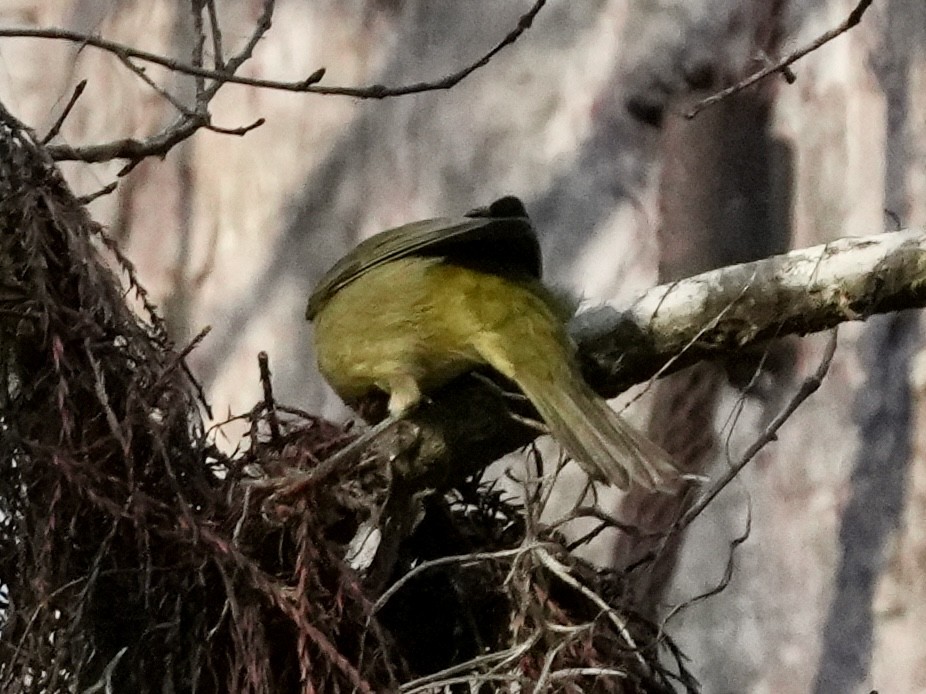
(208, 80)
(135, 556)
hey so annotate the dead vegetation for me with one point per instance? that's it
(134, 556)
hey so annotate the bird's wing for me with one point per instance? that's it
(496, 244)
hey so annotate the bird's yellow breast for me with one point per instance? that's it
(386, 323)
(420, 317)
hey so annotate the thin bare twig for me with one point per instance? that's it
(458, 559)
(855, 16)
(263, 363)
(724, 581)
(157, 88)
(105, 190)
(561, 572)
(808, 388)
(68, 107)
(261, 28)
(218, 59)
(239, 131)
(196, 10)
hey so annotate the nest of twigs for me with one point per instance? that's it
(135, 557)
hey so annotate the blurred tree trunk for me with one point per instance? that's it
(724, 198)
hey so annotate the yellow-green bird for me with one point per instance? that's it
(411, 308)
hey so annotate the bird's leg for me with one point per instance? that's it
(404, 394)
(382, 536)
(294, 481)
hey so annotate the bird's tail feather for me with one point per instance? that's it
(607, 447)
(582, 421)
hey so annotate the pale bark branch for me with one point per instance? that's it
(717, 313)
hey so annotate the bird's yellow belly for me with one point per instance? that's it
(388, 325)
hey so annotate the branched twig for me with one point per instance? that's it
(189, 120)
(781, 66)
(808, 388)
(129, 148)
(615, 618)
(724, 581)
(193, 118)
(605, 520)
(307, 85)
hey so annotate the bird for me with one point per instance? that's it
(411, 308)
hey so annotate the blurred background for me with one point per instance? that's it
(581, 118)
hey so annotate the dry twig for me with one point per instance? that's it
(783, 65)
(208, 81)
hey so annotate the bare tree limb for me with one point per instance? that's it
(190, 118)
(308, 85)
(719, 312)
(208, 81)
